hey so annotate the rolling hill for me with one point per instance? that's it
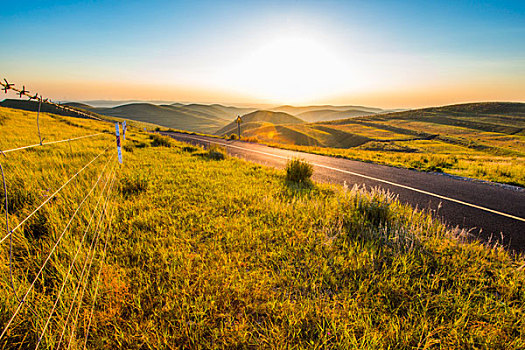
(207, 118)
(32, 106)
(190, 117)
(260, 118)
(494, 128)
(477, 140)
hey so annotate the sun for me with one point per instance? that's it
(291, 69)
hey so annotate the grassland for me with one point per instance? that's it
(208, 253)
(482, 141)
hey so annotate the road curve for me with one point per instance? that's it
(487, 210)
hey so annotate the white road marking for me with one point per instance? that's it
(376, 179)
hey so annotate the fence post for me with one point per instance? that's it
(119, 150)
(124, 127)
(38, 119)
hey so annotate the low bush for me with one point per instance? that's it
(189, 149)
(299, 171)
(250, 139)
(216, 152)
(38, 226)
(160, 141)
(233, 137)
(133, 185)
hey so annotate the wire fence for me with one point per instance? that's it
(55, 275)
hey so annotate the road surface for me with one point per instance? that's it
(486, 210)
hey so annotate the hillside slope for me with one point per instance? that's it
(478, 140)
(191, 117)
(253, 119)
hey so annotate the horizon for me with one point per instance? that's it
(256, 106)
(273, 53)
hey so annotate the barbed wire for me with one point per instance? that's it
(6, 86)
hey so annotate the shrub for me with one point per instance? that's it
(133, 185)
(250, 139)
(233, 137)
(189, 149)
(299, 171)
(160, 141)
(38, 226)
(216, 152)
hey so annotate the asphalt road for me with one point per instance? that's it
(486, 210)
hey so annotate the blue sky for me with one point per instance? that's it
(264, 51)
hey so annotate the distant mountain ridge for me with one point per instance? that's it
(301, 109)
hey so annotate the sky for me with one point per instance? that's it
(390, 54)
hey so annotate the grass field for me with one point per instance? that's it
(207, 253)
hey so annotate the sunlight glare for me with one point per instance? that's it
(293, 68)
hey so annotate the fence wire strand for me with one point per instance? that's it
(98, 283)
(20, 304)
(52, 196)
(52, 142)
(71, 265)
(6, 86)
(98, 233)
(81, 278)
(74, 327)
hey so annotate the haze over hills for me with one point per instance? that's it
(295, 110)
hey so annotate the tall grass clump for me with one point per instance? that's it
(216, 152)
(160, 141)
(299, 171)
(133, 184)
(19, 195)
